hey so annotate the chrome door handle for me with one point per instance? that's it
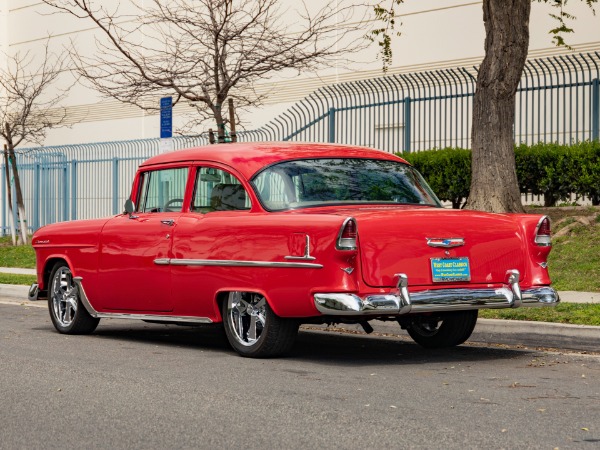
(169, 222)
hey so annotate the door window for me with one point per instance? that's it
(218, 190)
(162, 190)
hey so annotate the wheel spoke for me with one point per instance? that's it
(261, 303)
(252, 328)
(240, 327)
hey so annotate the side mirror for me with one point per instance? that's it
(129, 207)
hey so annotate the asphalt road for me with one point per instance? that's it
(137, 385)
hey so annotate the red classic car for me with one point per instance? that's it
(265, 236)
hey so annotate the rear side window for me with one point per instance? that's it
(162, 190)
(218, 190)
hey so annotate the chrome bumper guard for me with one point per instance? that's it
(402, 302)
(33, 293)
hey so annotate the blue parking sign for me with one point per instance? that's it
(166, 117)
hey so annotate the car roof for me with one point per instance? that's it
(249, 157)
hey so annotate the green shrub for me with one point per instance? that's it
(549, 169)
(447, 171)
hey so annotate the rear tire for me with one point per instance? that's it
(68, 314)
(448, 330)
(253, 329)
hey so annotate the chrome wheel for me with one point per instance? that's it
(68, 314)
(253, 329)
(247, 316)
(64, 297)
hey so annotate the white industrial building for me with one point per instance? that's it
(436, 34)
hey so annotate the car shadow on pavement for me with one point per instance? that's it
(315, 346)
(351, 350)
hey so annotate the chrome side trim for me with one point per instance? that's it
(152, 317)
(306, 255)
(235, 263)
(162, 318)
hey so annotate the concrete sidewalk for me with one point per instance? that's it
(17, 271)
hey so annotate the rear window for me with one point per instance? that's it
(329, 181)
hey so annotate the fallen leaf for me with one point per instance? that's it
(585, 429)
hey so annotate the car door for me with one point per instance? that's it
(134, 268)
(219, 204)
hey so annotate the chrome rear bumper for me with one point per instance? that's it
(402, 301)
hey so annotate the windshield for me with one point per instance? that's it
(329, 181)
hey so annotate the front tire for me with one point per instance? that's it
(253, 329)
(449, 330)
(68, 314)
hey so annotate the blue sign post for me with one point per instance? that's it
(166, 117)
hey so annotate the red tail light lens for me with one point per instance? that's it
(542, 232)
(347, 237)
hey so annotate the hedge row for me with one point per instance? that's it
(552, 170)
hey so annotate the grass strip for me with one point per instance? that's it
(574, 263)
(570, 313)
(20, 256)
(9, 278)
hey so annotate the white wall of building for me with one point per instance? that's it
(435, 34)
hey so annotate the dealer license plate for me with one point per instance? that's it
(450, 269)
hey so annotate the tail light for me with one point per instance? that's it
(542, 232)
(347, 236)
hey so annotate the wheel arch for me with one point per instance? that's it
(222, 295)
(49, 265)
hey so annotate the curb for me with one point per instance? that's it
(491, 331)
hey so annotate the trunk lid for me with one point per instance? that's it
(395, 241)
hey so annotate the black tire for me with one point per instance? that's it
(68, 314)
(448, 330)
(253, 329)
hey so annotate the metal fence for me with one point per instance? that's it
(558, 100)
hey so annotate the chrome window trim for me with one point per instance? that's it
(235, 263)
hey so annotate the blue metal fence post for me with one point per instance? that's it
(331, 125)
(595, 109)
(407, 124)
(36, 197)
(74, 189)
(115, 180)
(65, 192)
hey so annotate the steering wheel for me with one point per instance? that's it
(173, 200)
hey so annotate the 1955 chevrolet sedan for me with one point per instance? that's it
(265, 236)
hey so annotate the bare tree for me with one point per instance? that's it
(494, 185)
(206, 51)
(26, 113)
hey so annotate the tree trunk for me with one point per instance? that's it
(20, 203)
(494, 185)
(11, 221)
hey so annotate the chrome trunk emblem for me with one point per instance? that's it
(445, 242)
